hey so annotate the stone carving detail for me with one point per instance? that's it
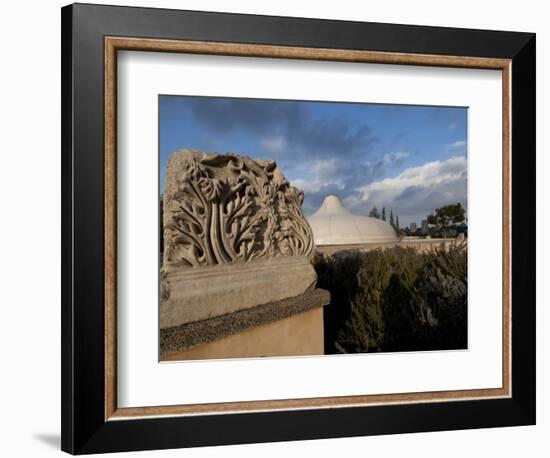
(225, 208)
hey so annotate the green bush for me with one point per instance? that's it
(395, 299)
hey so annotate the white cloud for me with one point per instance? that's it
(338, 175)
(458, 144)
(341, 174)
(325, 167)
(417, 191)
(319, 173)
(274, 145)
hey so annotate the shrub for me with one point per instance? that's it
(395, 299)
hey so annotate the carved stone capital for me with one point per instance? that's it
(225, 208)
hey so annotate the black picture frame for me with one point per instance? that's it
(84, 428)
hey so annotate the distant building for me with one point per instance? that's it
(413, 228)
(425, 229)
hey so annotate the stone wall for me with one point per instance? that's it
(418, 243)
(297, 335)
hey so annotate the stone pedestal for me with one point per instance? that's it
(290, 327)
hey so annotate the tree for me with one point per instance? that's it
(394, 222)
(384, 213)
(447, 218)
(374, 213)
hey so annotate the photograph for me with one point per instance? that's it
(307, 228)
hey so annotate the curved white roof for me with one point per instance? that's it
(333, 224)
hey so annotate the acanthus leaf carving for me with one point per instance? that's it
(226, 208)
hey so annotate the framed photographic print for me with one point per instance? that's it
(281, 228)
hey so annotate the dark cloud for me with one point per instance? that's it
(408, 193)
(285, 128)
(343, 177)
(222, 115)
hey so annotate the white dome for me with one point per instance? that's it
(333, 224)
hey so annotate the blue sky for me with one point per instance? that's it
(410, 159)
